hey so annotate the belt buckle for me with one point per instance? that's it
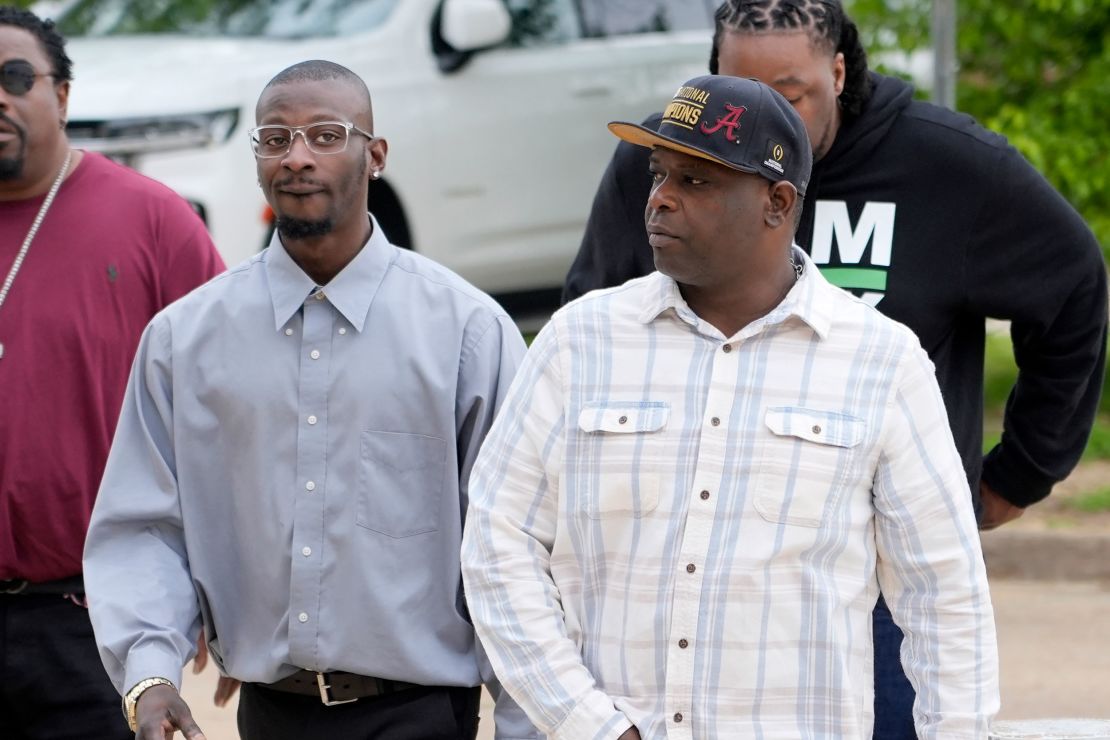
(13, 586)
(325, 693)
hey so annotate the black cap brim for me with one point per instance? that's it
(634, 133)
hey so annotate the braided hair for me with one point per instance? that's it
(47, 34)
(825, 21)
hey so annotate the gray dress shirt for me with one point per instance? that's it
(290, 471)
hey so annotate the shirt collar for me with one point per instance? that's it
(351, 291)
(806, 300)
(809, 299)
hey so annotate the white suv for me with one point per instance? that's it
(495, 110)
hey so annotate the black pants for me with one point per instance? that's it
(52, 683)
(425, 713)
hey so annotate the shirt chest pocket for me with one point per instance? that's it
(805, 463)
(400, 483)
(618, 457)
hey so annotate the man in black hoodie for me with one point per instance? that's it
(938, 223)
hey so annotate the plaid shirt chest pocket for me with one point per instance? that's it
(618, 454)
(805, 463)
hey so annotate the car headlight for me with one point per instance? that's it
(125, 136)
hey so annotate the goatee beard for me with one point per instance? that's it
(301, 228)
(11, 169)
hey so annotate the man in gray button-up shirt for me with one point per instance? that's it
(291, 461)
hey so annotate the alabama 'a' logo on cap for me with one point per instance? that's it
(730, 121)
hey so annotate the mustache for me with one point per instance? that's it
(9, 123)
(298, 180)
(655, 225)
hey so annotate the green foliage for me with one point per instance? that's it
(999, 371)
(891, 25)
(992, 432)
(1036, 71)
(1098, 446)
(271, 18)
(233, 17)
(1093, 502)
(532, 21)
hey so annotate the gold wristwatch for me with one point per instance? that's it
(131, 698)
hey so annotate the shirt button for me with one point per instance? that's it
(816, 429)
(314, 354)
(704, 495)
(288, 332)
(302, 617)
(678, 716)
(319, 295)
(622, 420)
(715, 421)
(306, 551)
(727, 348)
(311, 419)
(342, 330)
(691, 568)
(683, 644)
(310, 486)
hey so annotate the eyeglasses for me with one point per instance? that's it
(325, 137)
(17, 76)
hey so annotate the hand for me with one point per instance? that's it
(225, 687)
(160, 711)
(630, 734)
(200, 660)
(996, 510)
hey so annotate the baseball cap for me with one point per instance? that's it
(739, 123)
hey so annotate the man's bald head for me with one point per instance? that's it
(320, 70)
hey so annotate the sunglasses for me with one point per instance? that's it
(17, 76)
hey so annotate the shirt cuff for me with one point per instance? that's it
(151, 661)
(593, 717)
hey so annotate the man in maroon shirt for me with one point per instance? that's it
(89, 252)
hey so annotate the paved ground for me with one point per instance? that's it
(1054, 641)
(1054, 645)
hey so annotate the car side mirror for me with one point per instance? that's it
(469, 25)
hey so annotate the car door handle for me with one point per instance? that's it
(591, 91)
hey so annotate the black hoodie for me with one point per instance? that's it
(939, 223)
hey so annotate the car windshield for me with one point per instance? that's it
(278, 19)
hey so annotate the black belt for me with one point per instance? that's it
(60, 587)
(337, 687)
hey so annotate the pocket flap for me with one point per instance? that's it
(812, 425)
(623, 417)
